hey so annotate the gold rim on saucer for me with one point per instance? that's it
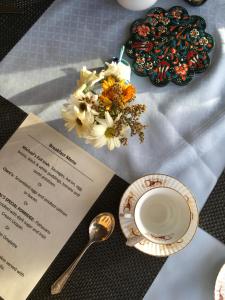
(219, 292)
(127, 207)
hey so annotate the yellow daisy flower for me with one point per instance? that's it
(114, 90)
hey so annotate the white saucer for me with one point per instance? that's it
(129, 200)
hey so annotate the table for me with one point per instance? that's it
(186, 134)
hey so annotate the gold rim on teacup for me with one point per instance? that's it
(128, 204)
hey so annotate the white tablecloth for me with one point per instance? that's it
(186, 132)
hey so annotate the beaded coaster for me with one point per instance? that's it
(169, 46)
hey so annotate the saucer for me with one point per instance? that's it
(128, 203)
(219, 292)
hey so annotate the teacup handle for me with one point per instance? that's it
(131, 242)
(127, 216)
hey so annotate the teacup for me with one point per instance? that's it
(137, 4)
(158, 215)
(162, 215)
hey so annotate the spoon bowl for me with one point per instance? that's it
(101, 227)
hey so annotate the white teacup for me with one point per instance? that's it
(162, 215)
(136, 4)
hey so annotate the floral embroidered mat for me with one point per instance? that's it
(169, 46)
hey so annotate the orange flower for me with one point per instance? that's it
(106, 101)
(116, 90)
(108, 83)
(129, 93)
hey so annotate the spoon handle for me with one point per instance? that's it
(59, 284)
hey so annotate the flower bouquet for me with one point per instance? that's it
(101, 109)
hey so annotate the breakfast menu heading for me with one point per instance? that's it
(47, 186)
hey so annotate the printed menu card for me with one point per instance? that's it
(47, 185)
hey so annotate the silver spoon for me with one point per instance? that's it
(100, 230)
